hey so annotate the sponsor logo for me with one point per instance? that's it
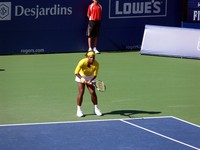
(137, 8)
(192, 4)
(32, 51)
(38, 11)
(196, 15)
(34, 12)
(5, 11)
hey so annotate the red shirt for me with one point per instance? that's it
(94, 12)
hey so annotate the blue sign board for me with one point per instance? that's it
(193, 13)
(57, 26)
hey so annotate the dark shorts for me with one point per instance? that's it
(93, 28)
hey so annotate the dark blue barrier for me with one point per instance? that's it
(191, 25)
(56, 26)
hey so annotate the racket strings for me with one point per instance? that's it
(100, 86)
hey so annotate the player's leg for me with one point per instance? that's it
(90, 43)
(95, 42)
(81, 90)
(89, 34)
(96, 30)
(93, 94)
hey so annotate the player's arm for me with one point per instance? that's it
(95, 72)
(77, 70)
(89, 82)
(88, 15)
(88, 12)
(80, 77)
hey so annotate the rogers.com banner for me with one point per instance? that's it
(137, 9)
(56, 26)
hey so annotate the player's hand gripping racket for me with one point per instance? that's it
(99, 85)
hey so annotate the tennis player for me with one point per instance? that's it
(86, 72)
(94, 15)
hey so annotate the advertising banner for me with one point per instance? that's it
(193, 13)
(169, 41)
(57, 26)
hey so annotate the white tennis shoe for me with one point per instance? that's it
(96, 51)
(79, 113)
(90, 49)
(97, 112)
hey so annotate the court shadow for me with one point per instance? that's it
(130, 113)
(2, 69)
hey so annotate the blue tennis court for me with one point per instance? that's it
(166, 133)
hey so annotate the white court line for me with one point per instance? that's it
(186, 121)
(61, 122)
(160, 134)
(80, 121)
(101, 120)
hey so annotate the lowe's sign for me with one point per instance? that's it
(137, 8)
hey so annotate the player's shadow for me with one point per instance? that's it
(130, 113)
(2, 69)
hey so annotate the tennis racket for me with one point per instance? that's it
(99, 85)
